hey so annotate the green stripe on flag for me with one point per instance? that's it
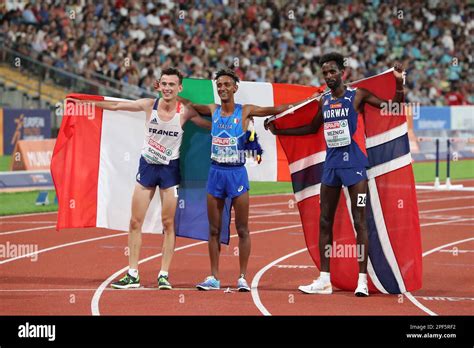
(196, 146)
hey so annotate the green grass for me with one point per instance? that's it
(5, 163)
(24, 202)
(425, 171)
(266, 188)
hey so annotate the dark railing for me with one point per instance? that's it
(70, 82)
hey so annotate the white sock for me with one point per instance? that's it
(363, 277)
(133, 272)
(325, 277)
(162, 273)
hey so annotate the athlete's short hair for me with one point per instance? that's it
(227, 72)
(173, 71)
(333, 56)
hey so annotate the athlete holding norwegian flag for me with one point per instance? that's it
(340, 110)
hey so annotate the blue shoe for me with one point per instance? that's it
(210, 283)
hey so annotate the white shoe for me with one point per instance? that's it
(242, 285)
(317, 287)
(362, 289)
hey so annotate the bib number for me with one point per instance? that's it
(224, 150)
(337, 133)
(156, 153)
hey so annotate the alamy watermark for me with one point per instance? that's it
(391, 108)
(10, 250)
(345, 251)
(76, 108)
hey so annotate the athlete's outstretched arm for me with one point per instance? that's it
(369, 98)
(192, 115)
(203, 109)
(311, 128)
(136, 105)
(261, 111)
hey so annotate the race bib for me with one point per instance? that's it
(156, 153)
(337, 133)
(224, 150)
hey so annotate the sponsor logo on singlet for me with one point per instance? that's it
(224, 141)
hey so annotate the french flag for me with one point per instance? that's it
(395, 257)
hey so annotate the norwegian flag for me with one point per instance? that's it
(395, 259)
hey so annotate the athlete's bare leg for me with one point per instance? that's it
(360, 224)
(169, 199)
(241, 208)
(214, 212)
(329, 199)
(141, 199)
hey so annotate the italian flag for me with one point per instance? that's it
(95, 160)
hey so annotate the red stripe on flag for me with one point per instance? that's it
(284, 94)
(398, 199)
(75, 165)
(379, 121)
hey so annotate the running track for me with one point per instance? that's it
(71, 272)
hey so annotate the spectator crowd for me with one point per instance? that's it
(273, 41)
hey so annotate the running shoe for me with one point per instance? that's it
(317, 287)
(242, 285)
(210, 283)
(127, 282)
(362, 289)
(163, 283)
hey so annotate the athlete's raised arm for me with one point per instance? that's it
(367, 97)
(261, 111)
(311, 128)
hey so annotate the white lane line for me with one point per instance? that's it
(31, 214)
(98, 293)
(419, 305)
(93, 289)
(258, 303)
(62, 246)
(445, 199)
(258, 276)
(28, 222)
(445, 222)
(448, 209)
(27, 230)
(446, 245)
(411, 297)
(272, 204)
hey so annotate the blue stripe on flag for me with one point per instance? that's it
(388, 151)
(191, 215)
(307, 177)
(377, 257)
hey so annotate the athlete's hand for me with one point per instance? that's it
(156, 84)
(269, 126)
(398, 72)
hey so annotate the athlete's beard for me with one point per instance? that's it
(336, 85)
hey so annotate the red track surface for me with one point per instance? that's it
(67, 280)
